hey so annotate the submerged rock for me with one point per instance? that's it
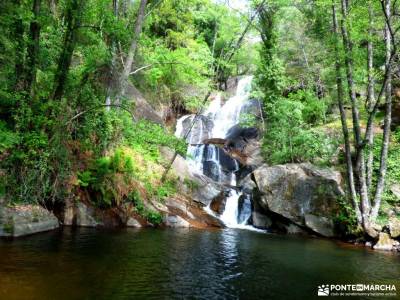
(25, 219)
(303, 193)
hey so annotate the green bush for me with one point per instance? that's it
(100, 178)
(289, 136)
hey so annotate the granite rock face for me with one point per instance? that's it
(302, 193)
(25, 220)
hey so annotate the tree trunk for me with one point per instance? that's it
(360, 161)
(370, 93)
(33, 47)
(111, 86)
(53, 7)
(340, 95)
(19, 51)
(132, 50)
(73, 18)
(388, 118)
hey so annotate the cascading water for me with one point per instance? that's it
(216, 122)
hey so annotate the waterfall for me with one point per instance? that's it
(215, 122)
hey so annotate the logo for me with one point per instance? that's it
(323, 290)
(359, 289)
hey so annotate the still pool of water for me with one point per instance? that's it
(182, 264)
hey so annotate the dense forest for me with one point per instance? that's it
(90, 90)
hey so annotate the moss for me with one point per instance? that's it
(8, 228)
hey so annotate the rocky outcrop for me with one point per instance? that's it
(218, 204)
(302, 193)
(200, 188)
(174, 221)
(184, 212)
(79, 214)
(385, 242)
(143, 110)
(195, 128)
(394, 227)
(261, 220)
(23, 220)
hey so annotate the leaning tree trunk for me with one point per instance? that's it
(388, 116)
(73, 19)
(132, 50)
(346, 137)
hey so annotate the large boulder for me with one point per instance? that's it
(23, 220)
(302, 193)
(143, 110)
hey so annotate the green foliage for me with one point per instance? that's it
(151, 136)
(8, 138)
(393, 167)
(346, 219)
(105, 177)
(289, 137)
(152, 216)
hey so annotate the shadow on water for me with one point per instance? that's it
(177, 264)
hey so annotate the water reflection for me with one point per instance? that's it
(181, 264)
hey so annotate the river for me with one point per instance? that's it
(183, 264)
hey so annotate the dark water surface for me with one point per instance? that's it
(182, 264)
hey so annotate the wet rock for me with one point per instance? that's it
(253, 107)
(394, 227)
(200, 129)
(384, 242)
(294, 229)
(175, 221)
(260, 220)
(190, 211)
(247, 184)
(132, 222)
(201, 188)
(218, 203)
(322, 225)
(79, 214)
(25, 219)
(297, 190)
(206, 192)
